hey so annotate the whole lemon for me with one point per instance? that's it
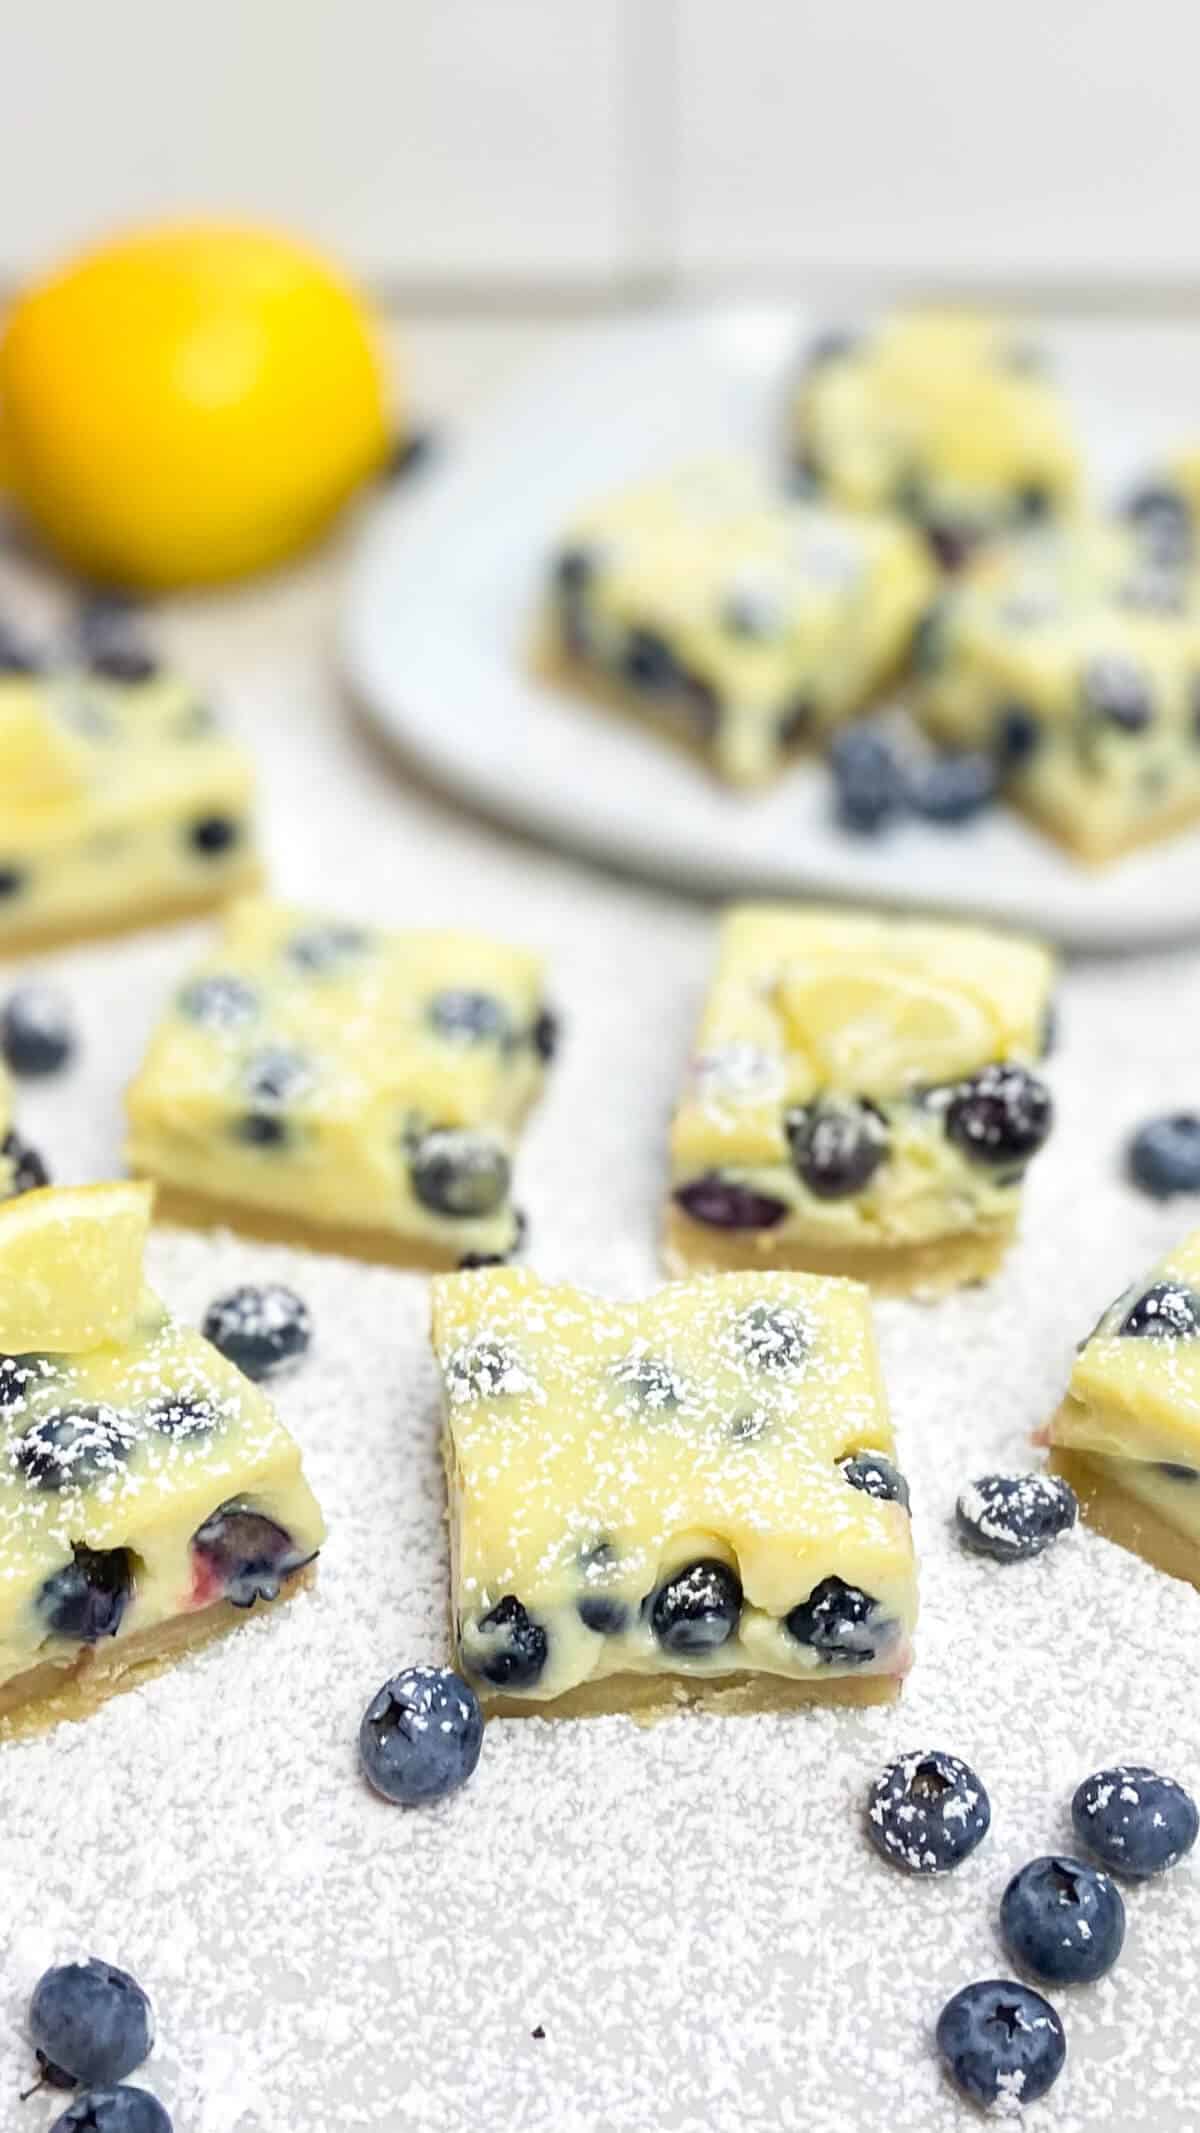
(187, 403)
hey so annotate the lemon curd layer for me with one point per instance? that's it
(701, 1486)
(860, 1098)
(1074, 658)
(356, 1084)
(948, 418)
(740, 623)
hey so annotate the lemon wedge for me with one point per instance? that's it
(879, 1030)
(71, 1266)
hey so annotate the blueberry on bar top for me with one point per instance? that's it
(359, 1088)
(1126, 1435)
(693, 1494)
(863, 1098)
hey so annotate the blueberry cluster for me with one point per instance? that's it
(879, 779)
(90, 2025)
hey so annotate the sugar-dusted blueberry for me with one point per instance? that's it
(832, 345)
(649, 1381)
(1134, 1821)
(458, 1171)
(1016, 735)
(1031, 502)
(89, 2023)
(1013, 1516)
(484, 1370)
(875, 1475)
(465, 1017)
(87, 1598)
(183, 1416)
(649, 663)
(1118, 690)
(37, 1032)
(951, 785)
(952, 541)
(241, 1555)
(1002, 1115)
(262, 1327)
(277, 1075)
(927, 1811)
(725, 1203)
(19, 1374)
(72, 1447)
(573, 568)
(410, 454)
(1001, 2044)
(324, 951)
(114, 2110)
(27, 1169)
(219, 1001)
(1063, 1920)
(837, 1145)
(600, 1608)
(1168, 1311)
(839, 1621)
(1163, 1157)
(773, 1337)
(1162, 517)
(696, 1609)
(211, 836)
(420, 1735)
(507, 1646)
(868, 781)
(13, 881)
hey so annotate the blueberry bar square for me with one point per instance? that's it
(356, 1089)
(739, 623)
(149, 1498)
(122, 803)
(1075, 660)
(861, 1099)
(694, 1497)
(950, 419)
(1127, 1435)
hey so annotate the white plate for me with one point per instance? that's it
(447, 578)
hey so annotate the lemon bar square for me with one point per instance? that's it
(690, 1497)
(357, 1088)
(122, 802)
(1127, 1435)
(1075, 660)
(861, 1098)
(738, 622)
(148, 1494)
(950, 418)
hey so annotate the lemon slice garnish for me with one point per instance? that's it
(878, 1031)
(71, 1266)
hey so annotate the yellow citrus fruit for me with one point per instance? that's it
(71, 1266)
(187, 403)
(875, 1030)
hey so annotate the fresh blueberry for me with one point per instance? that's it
(723, 1203)
(545, 1035)
(649, 663)
(508, 1648)
(651, 1382)
(772, 1337)
(214, 835)
(261, 1329)
(1032, 502)
(1161, 515)
(603, 1613)
(1117, 690)
(927, 1812)
(458, 1172)
(868, 783)
(420, 1735)
(16, 657)
(72, 1447)
(837, 1145)
(1012, 1516)
(1134, 1821)
(114, 661)
(832, 345)
(697, 1609)
(89, 2022)
(219, 1002)
(1003, 1114)
(183, 1416)
(951, 787)
(1187, 1476)
(322, 951)
(464, 1017)
(952, 543)
(87, 1598)
(1016, 733)
(837, 1621)
(243, 1556)
(29, 1172)
(1001, 2043)
(36, 1032)
(1166, 1312)
(119, 2110)
(1063, 1920)
(874, 1474)
(573, 568)
(12, 881)
(1163, 1157)
(409, 454)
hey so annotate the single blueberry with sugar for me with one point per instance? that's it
(836, 1145)
(1134, 1821)
(71, 1447)
(772, 1337)
(459, 1172)
(868, 781)
(1165, 1312)
(1013, 1516)
(37, 1034)
(724, 1203)
(1000, 2042)
(219, 1001)
(29, 1172)
(89, 2023)
(260, 1327)
(927, 1811)
(839, 1622)
(1163, 1157)
(1063, 1920)
(420, 1735)
(1001, 1115)
(697, 1609)
(241, 1555)
(507, 1647)
(461, 1016)
(875, 1475)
